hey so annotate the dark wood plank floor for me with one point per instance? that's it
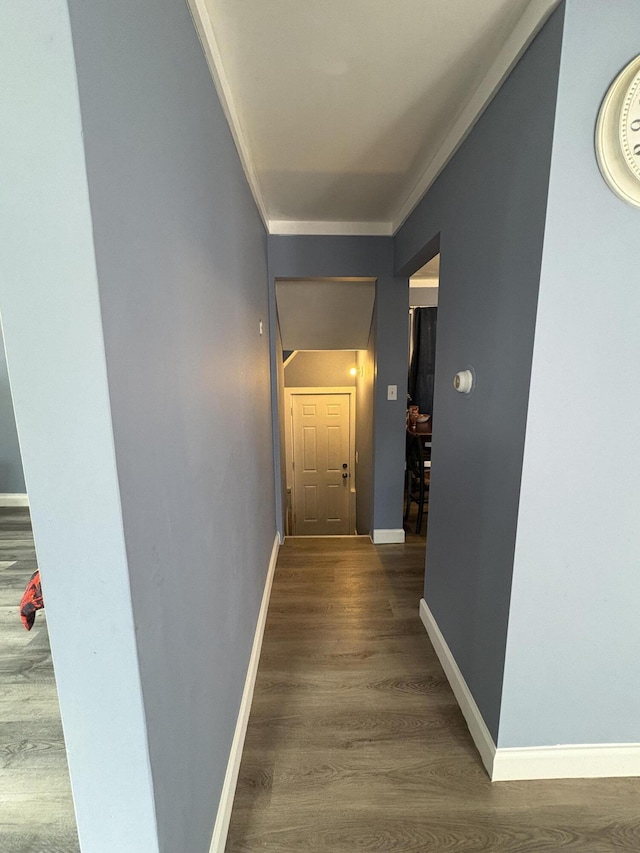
(36, 810)
(356, 743)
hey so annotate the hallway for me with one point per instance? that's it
(355, 741)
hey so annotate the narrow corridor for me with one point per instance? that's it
(355, 740)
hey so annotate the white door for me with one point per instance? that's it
(321, 470)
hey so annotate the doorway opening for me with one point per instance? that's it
(325, 404)
(423, 316)
(320, 438)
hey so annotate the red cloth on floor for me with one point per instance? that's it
(31, 601)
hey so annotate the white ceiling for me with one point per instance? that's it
(428, 275)
(321, 314)
(345, 111)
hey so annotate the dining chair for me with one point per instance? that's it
(418, 476)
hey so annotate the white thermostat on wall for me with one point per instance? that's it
(618, 134)
(463, 381)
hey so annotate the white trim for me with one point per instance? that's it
(204, 28)
(569, 761)
(225, 806)
(292, 391)
(329, 229)
(470, 711)
(329, 536)
(507, 764)
(531, 22)
(390, 536)
(416, 281)
(7, 499)
(290, 358)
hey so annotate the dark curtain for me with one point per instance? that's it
(423, 361)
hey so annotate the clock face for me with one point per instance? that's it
(618, 135)
(630, 127)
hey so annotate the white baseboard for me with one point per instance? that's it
(509, 764)
(328, 536)
(14, 500)
(390, 536)
(477, 726)
(568, 761)
(221, 827)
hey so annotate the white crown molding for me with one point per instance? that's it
(529, 25)
(534, 17)
(328, 229)
(204, 28)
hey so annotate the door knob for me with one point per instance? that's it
(344, 475)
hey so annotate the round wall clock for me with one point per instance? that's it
(618, 134)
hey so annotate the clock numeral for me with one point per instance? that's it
(636, 149)
(635, 124)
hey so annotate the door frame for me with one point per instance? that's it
(288, 426)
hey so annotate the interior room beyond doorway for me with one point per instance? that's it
(423, 310)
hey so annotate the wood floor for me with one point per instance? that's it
(36, 810)
(355, 741)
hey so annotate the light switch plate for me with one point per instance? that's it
(392, 392)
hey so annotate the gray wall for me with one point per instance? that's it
(488, 207)
(51, 316)
(572, 673)
(320, 367)
(11, 474)
(182, 266)
(367, 257)
(133, 358)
